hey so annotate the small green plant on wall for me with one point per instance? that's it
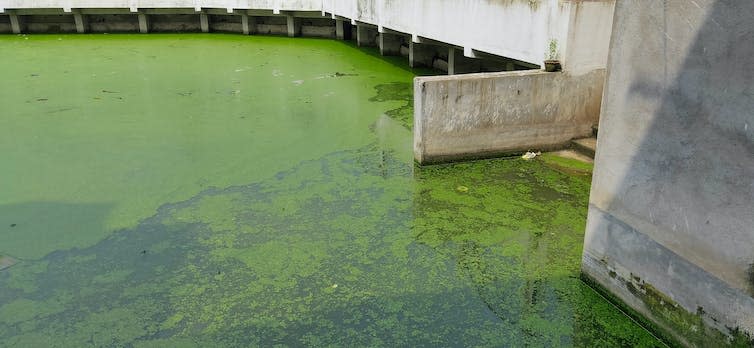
(552, 62)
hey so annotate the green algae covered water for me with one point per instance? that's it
(220, 190)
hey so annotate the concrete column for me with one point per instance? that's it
(294, 26)
(248, 24)
(420, 55)
(80, 20)
(339, 31)
(390, 44)
(16, 23)
(361, 35)
(143, 23)
(204, 21)
(451, 61)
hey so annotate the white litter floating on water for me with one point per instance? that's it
(530, 155)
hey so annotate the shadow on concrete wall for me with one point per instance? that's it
(680, 215)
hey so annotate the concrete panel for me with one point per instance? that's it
(672, 192)
(113, 23)
(484, 115)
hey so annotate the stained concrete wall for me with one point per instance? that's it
(670, 230)
(482, 115)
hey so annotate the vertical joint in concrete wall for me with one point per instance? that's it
(143, 23)
(16, 23)
(294, 26)
(80, 21)
(204, 21)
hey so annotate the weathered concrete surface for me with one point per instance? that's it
(484, 115)
(670, 230)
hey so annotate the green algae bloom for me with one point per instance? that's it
(211, 190)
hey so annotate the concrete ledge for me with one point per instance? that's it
(483, 115)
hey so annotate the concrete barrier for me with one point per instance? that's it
(483, 115)
(670, 231)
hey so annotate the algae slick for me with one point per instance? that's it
(6, 261)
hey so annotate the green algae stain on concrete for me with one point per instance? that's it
(319, 234)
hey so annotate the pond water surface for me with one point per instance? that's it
(221, 190)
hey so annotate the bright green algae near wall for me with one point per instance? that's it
(220, 190)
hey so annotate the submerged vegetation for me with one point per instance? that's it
(283, 212)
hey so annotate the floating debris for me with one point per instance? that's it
(106, 91)
(462, 188)
(530, 155)
(42, 99)
(334, 286)
(340, 74)
(6, 262)
(13, 225)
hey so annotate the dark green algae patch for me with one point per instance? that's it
(351, 247)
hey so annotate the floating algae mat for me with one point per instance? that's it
(220, 190)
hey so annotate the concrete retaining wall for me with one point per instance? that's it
(670, 230)
(482, 115)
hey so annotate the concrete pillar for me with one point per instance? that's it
(361, 35)
(248, 24)
(294, 26)
(143, 23)
(81, 23)
(204, 21)
(339, 30)
(16, 23)
(420, 55)
(451, 61)
(390, 44)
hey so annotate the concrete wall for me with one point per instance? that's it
(670, 230)
(482, 115)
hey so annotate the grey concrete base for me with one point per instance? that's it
(634, 268)
(485, 115)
